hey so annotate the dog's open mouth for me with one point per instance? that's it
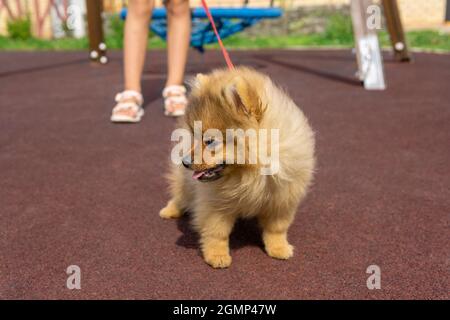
(210, 174)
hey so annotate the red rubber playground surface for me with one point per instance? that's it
(78, 190)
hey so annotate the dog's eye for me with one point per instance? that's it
(211, 143)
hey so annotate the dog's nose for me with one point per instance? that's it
(186, 161)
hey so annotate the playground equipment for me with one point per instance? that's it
(396, 32)
(447, 13)
(232, 20)
(368, 53)
(97, 46)
(228, 21)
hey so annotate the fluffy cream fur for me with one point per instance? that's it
(244, 98)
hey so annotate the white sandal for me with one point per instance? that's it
(128, 100)
(175, 100)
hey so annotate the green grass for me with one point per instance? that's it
(242, 42)
(19, 28)
(428, 39)
(64, 44)
(423, 39)
(338, 33)
(39, 44)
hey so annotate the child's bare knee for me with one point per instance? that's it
(140, 8)
(177, 7)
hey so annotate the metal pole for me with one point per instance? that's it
(368, 52)
(396, 32)
(447, 12)
(97, 46)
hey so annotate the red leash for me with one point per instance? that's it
(224, 50)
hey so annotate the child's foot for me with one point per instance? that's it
(175, 101)
(128, 107)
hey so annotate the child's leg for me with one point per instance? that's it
(135, 41)
(178, 39)
(129, 103)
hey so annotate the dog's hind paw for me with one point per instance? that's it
(280, 252)
(170, 211)
(218, 261)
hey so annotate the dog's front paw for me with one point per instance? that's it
(218, 260)
(170, 212)
(280, 251)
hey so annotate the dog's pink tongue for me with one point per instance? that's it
(197, 174)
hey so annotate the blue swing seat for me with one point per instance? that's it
(228, 22)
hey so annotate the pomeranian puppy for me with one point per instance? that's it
(241, 115)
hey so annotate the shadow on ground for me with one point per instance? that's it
(246, 233)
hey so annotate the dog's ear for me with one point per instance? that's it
(201, 78)
(197, 81)
(244, 97)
